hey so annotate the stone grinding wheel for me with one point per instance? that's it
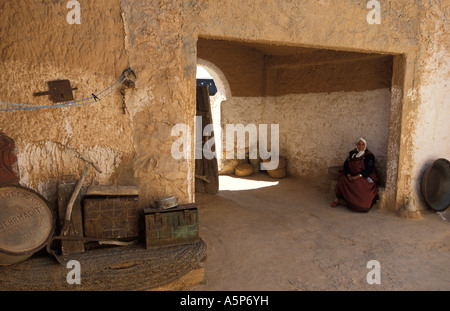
(435, 185)
(26, 223)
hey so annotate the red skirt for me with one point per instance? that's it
(358, 193)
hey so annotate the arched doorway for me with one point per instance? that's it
(207, 71)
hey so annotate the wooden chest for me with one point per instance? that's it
(175, 226)
(111, 216)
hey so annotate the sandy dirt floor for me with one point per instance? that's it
(281, 235)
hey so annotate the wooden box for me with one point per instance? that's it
(175, 226)
(111, 216)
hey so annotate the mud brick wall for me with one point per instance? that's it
(158, 39)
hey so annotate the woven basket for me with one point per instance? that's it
(278, 173)
(282, 162)
(243, 169)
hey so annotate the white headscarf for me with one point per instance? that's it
(361, 153)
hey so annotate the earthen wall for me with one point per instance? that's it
(158, 39)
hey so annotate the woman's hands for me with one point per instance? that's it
(350, 177)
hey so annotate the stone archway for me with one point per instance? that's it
(223, 92)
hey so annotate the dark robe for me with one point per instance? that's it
(361, 193)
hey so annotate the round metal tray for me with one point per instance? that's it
(435, 185)
(26, 223)
(166, 202)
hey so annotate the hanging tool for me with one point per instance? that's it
(59, 91)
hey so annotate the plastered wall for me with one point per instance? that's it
(408, 30)
(38, 45)
(158, 39)
(430, 125)
(317, 130)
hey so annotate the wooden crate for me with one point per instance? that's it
(175, 226)
(111, 216)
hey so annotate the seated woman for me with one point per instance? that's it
(357, 185)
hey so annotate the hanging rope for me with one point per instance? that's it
(93, 99)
